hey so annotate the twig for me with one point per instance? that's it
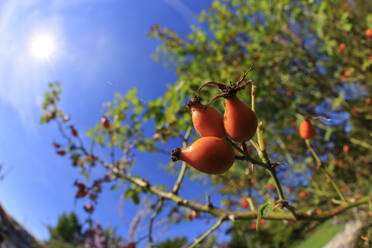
(324, 170)
(251, 205)
(177, 185)
(112, 152)
(208, 199)
(197, 241)
(157, 211)
(253, 93)
(277, 183)
(285, 150)
(318, 161)
(246, 155)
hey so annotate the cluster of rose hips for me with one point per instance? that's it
(212, 154)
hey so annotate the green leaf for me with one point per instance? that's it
(259, 216)
(369, 20)
(115, 186)
(264, 209)
(129, 193)
(268, 208)
(328, 134)
(347, 27)
(90, 132)
(135, 198)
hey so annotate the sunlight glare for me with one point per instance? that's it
(42, 46)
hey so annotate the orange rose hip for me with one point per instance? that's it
(211, 155)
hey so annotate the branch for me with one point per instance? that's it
(218, 212)
(197, 241)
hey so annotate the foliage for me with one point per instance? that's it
(311, 58)
(67, 228)
(68, 232)
(172, 243)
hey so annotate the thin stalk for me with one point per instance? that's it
(177, 185)
(246, 155)
(197, 241)
(157, 211)
(251, 205)
(334, 185)
(319, 163)
(277, 183)
(253, 93)
(285, 150)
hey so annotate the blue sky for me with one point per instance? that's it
(101, 47)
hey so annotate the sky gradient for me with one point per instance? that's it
(101, 47)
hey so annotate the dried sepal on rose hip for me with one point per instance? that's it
(207, 121)
(211, 155)
(240, 121)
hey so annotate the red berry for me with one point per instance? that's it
(253, 226)
(303, 194)
(346, 73)
(306, 130)
(369, 33)
(346, 148)
(340, 163)
(244, 203)
(342, 47)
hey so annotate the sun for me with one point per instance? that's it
(43, 46)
